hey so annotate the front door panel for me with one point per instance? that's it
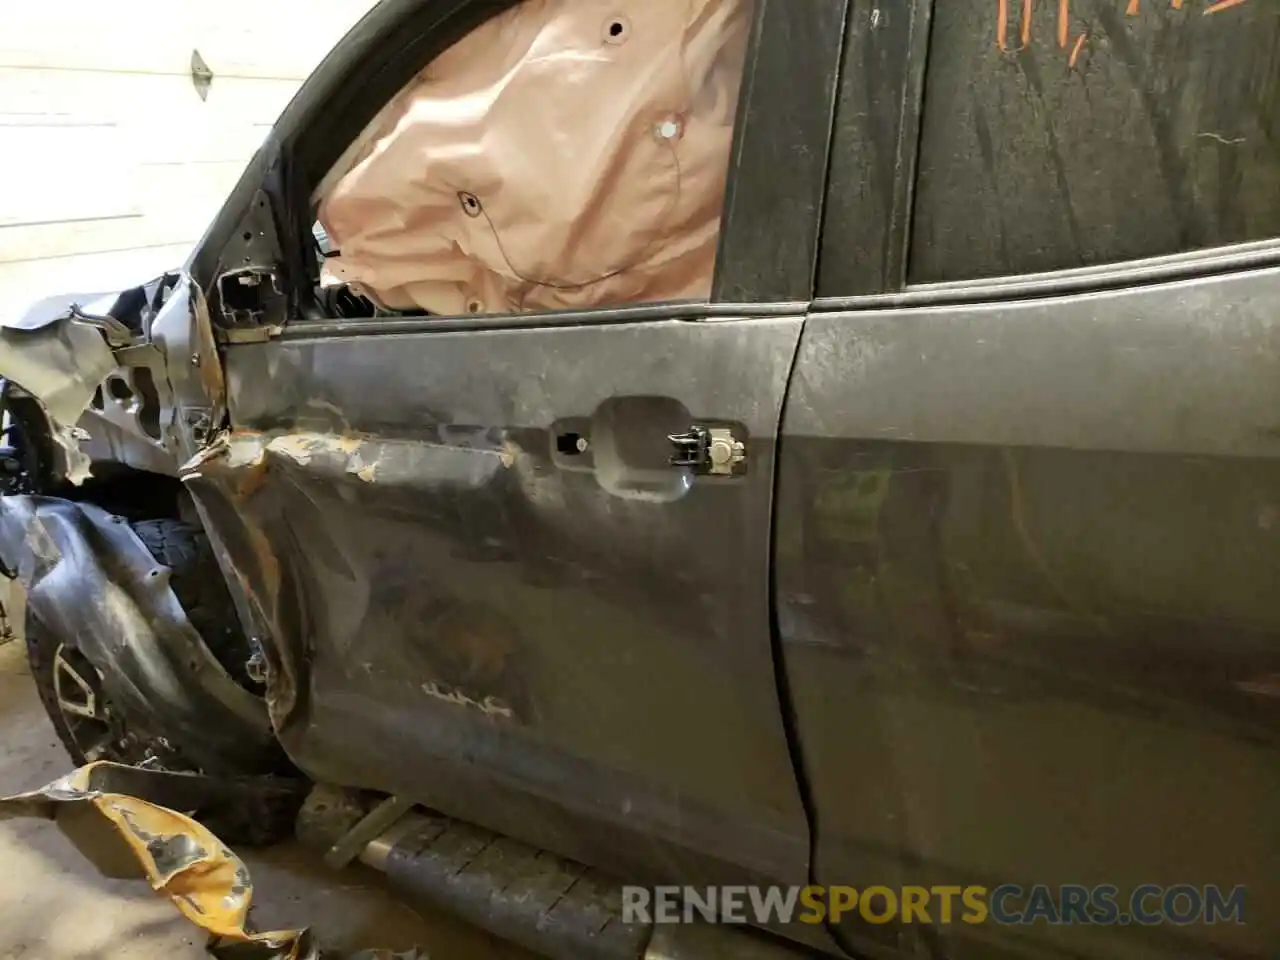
(497, 596)
(1027, 568)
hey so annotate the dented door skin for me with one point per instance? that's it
(485, 586)
(503, 625)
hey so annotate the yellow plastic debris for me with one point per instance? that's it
(129, 837)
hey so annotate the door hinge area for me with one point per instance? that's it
(711, 451)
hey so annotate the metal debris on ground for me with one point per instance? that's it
(128, 837)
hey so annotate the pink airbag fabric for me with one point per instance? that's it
(566, 154)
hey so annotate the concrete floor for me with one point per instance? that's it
(54, 906)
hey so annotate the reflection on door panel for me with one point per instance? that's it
(1026, 577)
(570, 153)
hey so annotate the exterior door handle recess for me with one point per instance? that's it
(712, 451)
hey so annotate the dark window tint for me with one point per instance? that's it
(1064, 133)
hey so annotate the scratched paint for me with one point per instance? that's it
(300, 447)
(1069, 44)
(489, 705)
(368, 472)
(247, 450)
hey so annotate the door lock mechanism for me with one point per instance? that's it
(713, 451)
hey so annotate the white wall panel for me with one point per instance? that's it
(111, 164)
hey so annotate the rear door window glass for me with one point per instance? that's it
(1068, 133)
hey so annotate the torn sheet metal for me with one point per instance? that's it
(128, 836)
(60, 364)
(565, 154)
(246, 482)
(64, 350)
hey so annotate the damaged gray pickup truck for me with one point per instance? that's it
(812, 443)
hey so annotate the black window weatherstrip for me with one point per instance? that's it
(875, 145)
(773, 201)
(1139, 273)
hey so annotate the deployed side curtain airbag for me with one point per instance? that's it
(566, 154)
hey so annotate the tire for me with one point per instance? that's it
(196, 580)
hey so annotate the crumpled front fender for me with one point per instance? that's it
(60, 363)
(156, 339)
(90, 581)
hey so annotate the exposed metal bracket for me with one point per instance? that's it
(250, 292)
(201, 75)
(199, 422)
(250, 297)
(141, 355)
(254, 244)
(376, 823)
(713, 451)
(116, 333)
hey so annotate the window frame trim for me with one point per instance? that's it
(890, 231)
(1074, 281)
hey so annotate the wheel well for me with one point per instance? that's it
(132, 494)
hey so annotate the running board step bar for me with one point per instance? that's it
(554, 907)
